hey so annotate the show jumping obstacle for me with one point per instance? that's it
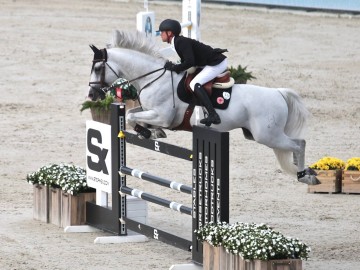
(210, 184)
(191, 13)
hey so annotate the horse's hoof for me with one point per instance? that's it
(309, 179)
(142, 131)
(158, 134)
(141, 137)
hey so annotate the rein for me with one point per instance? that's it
(140, 77)
(149, 83)
(102, 56)
(147, 74)
(173, 89)
(137, 78)
(104, 87)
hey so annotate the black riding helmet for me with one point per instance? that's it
(170, 25)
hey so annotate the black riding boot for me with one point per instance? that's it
(213, 117)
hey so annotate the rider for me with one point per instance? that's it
(194, 53)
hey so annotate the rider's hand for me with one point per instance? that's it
(169, 66)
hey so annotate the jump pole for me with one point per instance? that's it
(191, 13)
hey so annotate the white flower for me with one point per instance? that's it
(69, 177)
(252, 241)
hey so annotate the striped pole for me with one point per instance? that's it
(155, 179)
(157, 146)
(156, 200)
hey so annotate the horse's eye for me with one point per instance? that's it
(97, 69)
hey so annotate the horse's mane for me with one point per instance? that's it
(135, 41)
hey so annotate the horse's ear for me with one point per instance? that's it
(94, 49)
(97, 53)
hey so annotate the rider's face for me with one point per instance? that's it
(166, 36)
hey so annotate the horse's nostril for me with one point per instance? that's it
(91, 97)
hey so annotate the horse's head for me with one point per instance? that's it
(97, 75)
(130, 56)
(101, 74)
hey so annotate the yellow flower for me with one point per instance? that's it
(353, 164)
(328, 163)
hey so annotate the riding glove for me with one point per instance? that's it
(169, 66)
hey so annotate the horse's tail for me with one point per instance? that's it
(297, 114)
(295, 127)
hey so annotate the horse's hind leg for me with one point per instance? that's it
(299, 156)
(306, 176)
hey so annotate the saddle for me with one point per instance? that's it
(218, 89)
(222, 81)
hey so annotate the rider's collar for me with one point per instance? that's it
(172, 44)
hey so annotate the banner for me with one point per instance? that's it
(98, 156)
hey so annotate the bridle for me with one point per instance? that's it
(101, 56)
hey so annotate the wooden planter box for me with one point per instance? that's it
(216, 258)
(55, 206)
(73, 208)
(351, 182)
(41, 203)
(102, 116)
(52, 205)
(330, 182)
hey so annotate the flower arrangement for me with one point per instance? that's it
(328, 163)
(99, 105)
(353, 164)
(70, 178)
(120, 90)
(253, 241)
(240, 74)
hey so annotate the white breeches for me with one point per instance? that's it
(209, 73)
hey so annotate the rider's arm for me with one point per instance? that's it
(183, 47)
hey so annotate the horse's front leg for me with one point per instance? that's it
(130, 112)
(152, 118)
(140, 128)
(305, 175)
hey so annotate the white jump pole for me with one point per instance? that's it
(191, 13)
